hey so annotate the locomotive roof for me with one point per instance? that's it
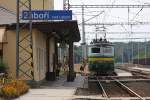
(102, 44)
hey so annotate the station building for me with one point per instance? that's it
(46, 37)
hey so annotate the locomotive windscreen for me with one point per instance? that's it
(95, 50)
(107, 50)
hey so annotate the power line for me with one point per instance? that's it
(118, 23)
(119, 32)
(92, 17)
(122, 38)
(110, 6)
(108, 11)
(137, 14)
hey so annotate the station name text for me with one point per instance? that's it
(47, 15)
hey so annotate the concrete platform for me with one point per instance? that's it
(122, 73)
(58, 90)
(142, 69)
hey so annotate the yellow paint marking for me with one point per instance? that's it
(100, 59)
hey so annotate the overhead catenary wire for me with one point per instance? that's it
(123, 25)
(137, 14)
(92, 17)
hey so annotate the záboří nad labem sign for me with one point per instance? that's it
(47, 15)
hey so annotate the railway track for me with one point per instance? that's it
(115, 88)
(118, 87)
(134, 87)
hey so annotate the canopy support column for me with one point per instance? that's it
(71, 73)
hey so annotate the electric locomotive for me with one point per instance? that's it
(101, 57)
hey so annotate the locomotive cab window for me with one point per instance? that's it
(107, 50)
(95, 50)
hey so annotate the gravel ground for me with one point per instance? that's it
(83, 99)
(141, 88)
(92, 90)
(133, 77)
(113, 90)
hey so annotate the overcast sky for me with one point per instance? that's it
(113, 15)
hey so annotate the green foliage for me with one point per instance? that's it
(142, 54)
(3, 66)
(77, 54)
(124, 50)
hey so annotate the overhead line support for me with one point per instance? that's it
(24, 45)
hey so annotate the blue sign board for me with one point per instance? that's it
(48, 15)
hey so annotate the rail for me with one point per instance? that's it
(103, 90)
(121, 80)
(129, 90)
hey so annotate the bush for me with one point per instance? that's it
(14, 89)
(3, 67)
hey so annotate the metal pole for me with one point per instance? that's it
(122, 54)
(31, 41)
(30, 25)
(132, 45)
(83, 27)
(83, 36)
(138, 52)
(68, 5)
(145, 50)
(20, 41)
(132, 51)
(17, 41)
(43, 4)
(129, 35)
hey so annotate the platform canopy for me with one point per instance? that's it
(67, 30)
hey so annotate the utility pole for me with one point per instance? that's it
(122, 54)
(129, 35)
(132, 44)
(84, 51)
(17, 42)
(145, 50)
(138, 52)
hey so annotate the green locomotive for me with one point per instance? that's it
(101, 57)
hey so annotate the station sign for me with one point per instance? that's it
(47, 15)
